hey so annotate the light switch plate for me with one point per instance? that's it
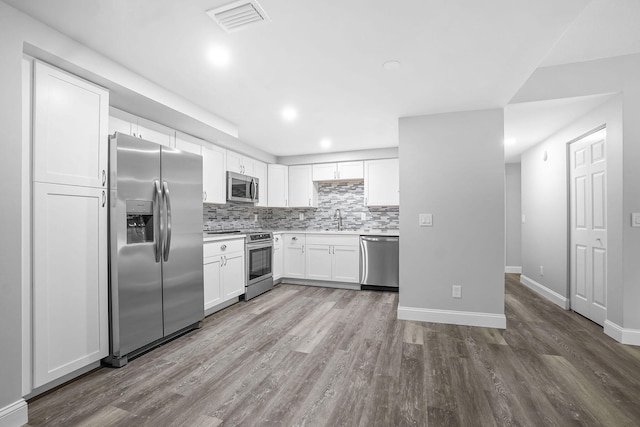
(425, 220)
(363, 216)
(635, 219)
(301, 216)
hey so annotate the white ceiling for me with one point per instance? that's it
(325, 58)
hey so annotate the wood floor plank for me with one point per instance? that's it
(301, 355)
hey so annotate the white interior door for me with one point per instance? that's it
(589, 226)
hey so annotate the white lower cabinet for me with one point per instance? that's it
(319, 262)
(223, 271)
(332, 258)
(278, 259)
(294, 255)
(70, 318)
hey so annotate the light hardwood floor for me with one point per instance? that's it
(327, 357)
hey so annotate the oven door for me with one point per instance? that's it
(259, 262)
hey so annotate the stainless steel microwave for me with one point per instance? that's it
(242, 188)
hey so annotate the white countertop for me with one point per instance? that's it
(219, 237)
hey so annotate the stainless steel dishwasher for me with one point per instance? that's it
(379, 259)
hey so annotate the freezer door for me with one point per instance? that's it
(183, 296)
(136, 275)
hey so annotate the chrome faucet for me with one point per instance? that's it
(338, 215)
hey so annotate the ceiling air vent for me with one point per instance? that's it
(238, 15)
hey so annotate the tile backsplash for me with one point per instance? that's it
(346, 196)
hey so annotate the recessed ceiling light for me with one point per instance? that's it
(509, 141)
(219, 56)
(289, 113)
(391, 65)
(325, 143)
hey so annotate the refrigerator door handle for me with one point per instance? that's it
(156, 220)
(167, 235)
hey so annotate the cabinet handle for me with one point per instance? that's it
(225, 260)
(104, 198)
(365, 201)
(204, 196)
(329, 250)
(294, 238)
(104, 177)
(309, 202)
(286, 202)
(302, 248)
(223, 247)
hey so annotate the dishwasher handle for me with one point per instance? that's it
(380, 238)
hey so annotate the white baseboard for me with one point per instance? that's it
(466, 318)
(513, 269)
(322, 283)
(545, 292)
(622, 335)
(14, 415)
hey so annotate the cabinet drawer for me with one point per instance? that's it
(222, 247)
(293, 240)
(332, 240)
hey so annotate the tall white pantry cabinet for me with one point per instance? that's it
(69, 234)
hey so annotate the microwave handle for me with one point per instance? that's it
(252, 189)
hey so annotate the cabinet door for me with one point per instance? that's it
(382, 182)
(118, 125)
(345, 264)
(260, 172)
(189, 144)
(278, 186)
(351, 170)
(294, 256)
(214, 185)
(234, 162)
(318, 262)
(212, 282)
(233, 274)
(325, 172)
(278, 258)
(70, 132)
(155, 132)
(302, 191)
(70, 318)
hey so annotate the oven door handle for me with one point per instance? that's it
(259, 245)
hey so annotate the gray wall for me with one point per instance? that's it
(545, 205)
(11, 37)
(452, 165)
(512, 215)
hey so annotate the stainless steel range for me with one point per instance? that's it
(258, 254)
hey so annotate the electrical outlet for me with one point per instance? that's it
(456, 291)
(255, 217)
(363, 216)
(301, 216)
(425, 220)
(541, 270)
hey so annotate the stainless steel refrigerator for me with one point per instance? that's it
(155, 254)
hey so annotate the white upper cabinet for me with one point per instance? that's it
(70, 131)
(260, 172)
(382, 182)
(214, 158)
(189, 144)
(278, 186)
(302, 191)
(342, 171)
(154, 132)
(214, 185)
(240, 164)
